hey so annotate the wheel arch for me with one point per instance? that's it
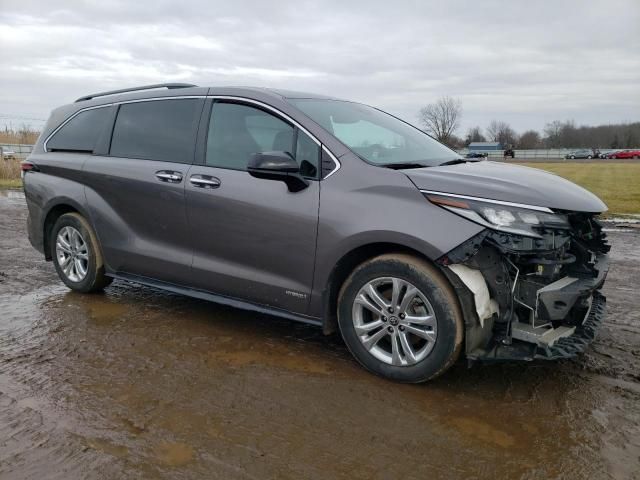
(347, 263)
(54, 211)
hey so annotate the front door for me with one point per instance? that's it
(252, 238)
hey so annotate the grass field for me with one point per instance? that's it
(617, 184)
(10, 174)
(10, 183)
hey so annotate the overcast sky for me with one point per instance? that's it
(524, 62)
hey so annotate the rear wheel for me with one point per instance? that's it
(400, 318)
(76, 254)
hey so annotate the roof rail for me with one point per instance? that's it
(136, 89)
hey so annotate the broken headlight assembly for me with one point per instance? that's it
(507, 217)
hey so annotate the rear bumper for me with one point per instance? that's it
(34, 229)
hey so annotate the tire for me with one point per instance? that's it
(635, 157)
(429, 358)
(572, 157)
(589, 157)
(84, 268)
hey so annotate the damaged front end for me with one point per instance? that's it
(530, 283)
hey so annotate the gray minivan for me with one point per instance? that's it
(323, 211)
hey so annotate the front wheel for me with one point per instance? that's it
(76, 254)
(400, 318)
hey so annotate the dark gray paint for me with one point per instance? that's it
(140, 221)
(507, 182)
(363, 204)
(252, 239)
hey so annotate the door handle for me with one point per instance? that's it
(204, 181)
(169, 176)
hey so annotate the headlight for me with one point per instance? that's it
(498, 215)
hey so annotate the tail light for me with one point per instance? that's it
(27, 167)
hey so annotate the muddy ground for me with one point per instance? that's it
(137, 383)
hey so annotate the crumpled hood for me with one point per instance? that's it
(507, 182)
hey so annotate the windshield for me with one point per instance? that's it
(375, 136)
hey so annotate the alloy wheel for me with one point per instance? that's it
(394, 321)
(72, 254)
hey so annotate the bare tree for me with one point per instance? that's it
(502, 133)
(474, 135)
(567, 135)
(441, 119)
(455, 142)
(552, 133)
(530, 139)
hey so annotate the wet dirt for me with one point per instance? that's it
(138, 383)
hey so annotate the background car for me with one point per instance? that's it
(8, 154)
(625, 154)
(580, 154)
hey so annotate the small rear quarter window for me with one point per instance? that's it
(81, 133)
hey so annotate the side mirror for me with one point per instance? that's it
(277, 166)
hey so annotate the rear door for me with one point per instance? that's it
(136, 189)
(252, 238)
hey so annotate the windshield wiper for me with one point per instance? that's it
(403, 165)
(455, 161)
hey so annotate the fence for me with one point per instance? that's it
(16, 150)
(539, 154)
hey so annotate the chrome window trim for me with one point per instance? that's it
(215, 97)
(106, 105)
(335, 160)
(44, 145)
(267, 107)
(490, 200)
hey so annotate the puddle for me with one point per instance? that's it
(174, 454)
(137, 383)
(12, 196)
(484, 432)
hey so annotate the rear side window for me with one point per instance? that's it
(156, 130)
(81, 133)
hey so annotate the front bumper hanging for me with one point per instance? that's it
(527, 299)
(566, 347)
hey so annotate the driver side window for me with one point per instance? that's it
(237, 131)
